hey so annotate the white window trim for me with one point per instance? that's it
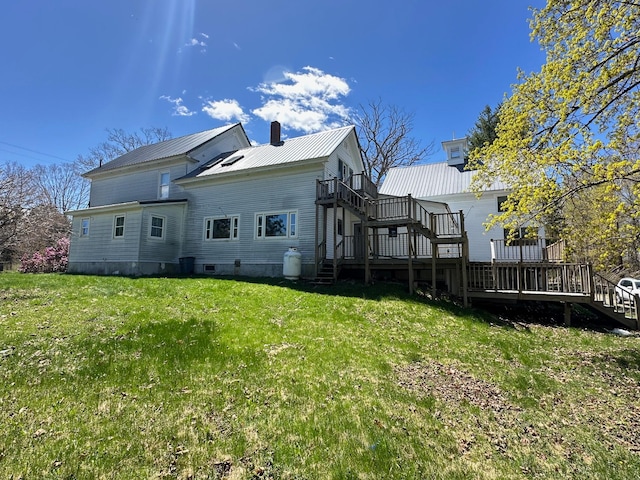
(82, 234)
(160, 185)
(115, 219)
(164, 226)
(262, 215)
(234, 233)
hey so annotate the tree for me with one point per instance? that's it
(571, 131)
(119, 142)
(61, 185)
(484, 132)
(17, 194)
(385, 138)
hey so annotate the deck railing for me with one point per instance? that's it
(447, 225)
(518, 250)
(530, 277)
(604, 291)
(360, 182)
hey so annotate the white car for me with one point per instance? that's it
(627, 288)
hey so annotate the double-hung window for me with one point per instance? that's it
(221, 228)
(156, 228)
(163, 190)
(84, 227)
(118, 226)
(277, 224)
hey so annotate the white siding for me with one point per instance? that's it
(140, 185)
(348, 153)
(99, 245)
(244, 197)
(168, 248)
(476, 211)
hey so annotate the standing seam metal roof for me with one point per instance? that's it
(430, 180)
(166, 149)
(317, 145)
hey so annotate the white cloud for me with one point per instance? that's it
(179, 110)
(306, 101)
(204, 35)
(225, 110)
(237, 46)
(194, 42)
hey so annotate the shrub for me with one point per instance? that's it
(51, 259)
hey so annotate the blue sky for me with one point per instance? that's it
(72, 68)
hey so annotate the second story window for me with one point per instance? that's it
(84, 227)
(163, 191)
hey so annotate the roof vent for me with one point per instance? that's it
(275, 133)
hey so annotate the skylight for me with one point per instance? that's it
(231, 161)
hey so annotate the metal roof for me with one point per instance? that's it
(430, 181)
(166, 149)
(308, 147)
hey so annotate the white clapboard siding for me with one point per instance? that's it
(244, 196)
(476, 211)
(167, 249)
(141, 185)
(100, 245)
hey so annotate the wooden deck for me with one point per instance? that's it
(551, 282)
(427, 241)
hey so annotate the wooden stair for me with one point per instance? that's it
(325, 274)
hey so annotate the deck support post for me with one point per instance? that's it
(567, 314)
(367, 268)
(317, 244)
(335, 229)
(434, 252)
(465, 257)
(410, 258)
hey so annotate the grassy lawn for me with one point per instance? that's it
(107, 377)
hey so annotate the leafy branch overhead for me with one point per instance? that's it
(572, 128)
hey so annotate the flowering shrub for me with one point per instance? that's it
(52, 259)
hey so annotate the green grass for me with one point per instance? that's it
(108, 377)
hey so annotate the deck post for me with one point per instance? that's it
(410, 258)
(317, 252)
(335, 229)
(567, 314)
(465, 257)
(367, 271)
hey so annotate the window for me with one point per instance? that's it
(163, 192)
(118, 226)
(84, 227)
(455, 152)
(501, 201)
(393, 232)
(277, 225)
(340, 228)
(157, 227)
(221, 228)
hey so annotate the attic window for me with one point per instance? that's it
(231, 161)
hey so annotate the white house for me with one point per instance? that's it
(209, 203)
(449, 182)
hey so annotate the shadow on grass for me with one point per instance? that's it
(163, 349)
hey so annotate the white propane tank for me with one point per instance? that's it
(292, 266)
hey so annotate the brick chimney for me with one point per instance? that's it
(275, 133)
